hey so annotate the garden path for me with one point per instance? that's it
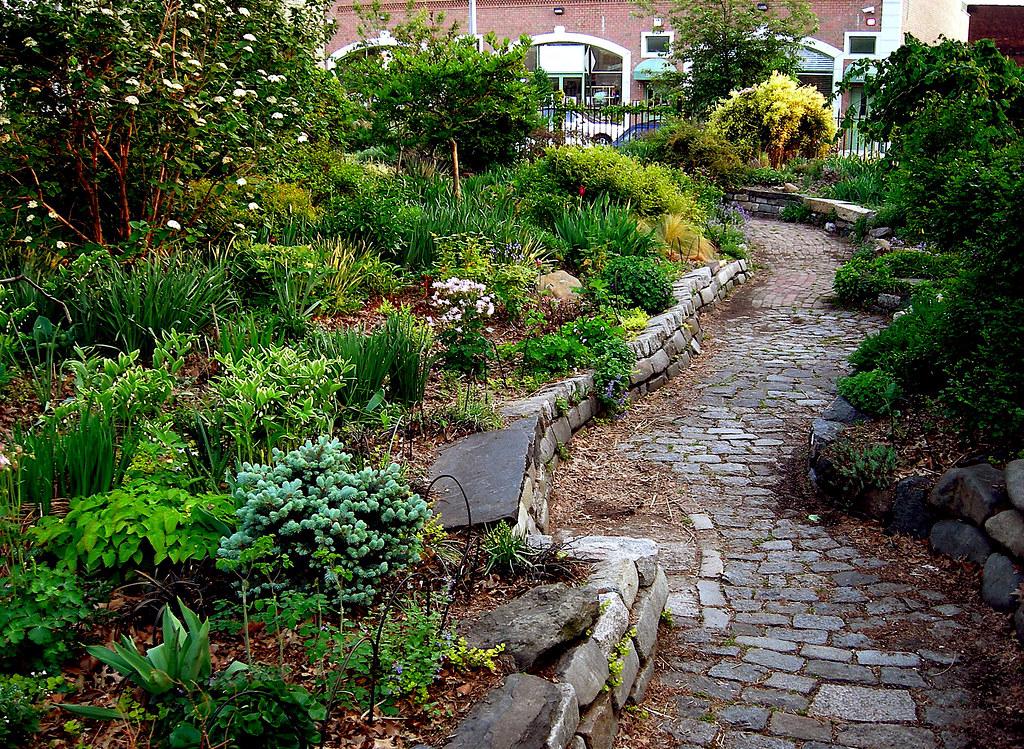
(788, 632)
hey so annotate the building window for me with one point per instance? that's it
(585, 74)
(862, 45)
(816, 69)
(655, 44)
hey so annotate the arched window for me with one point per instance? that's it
(586, 69)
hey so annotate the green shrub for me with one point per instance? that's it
(797, 212)
(138, 526)
(553, 353)
(597, 231)
(245, 331)
(600, 170)
(328, 519)
(860, 469)
(43, 612)
(779, 118)
(876, 392)
(274, 397)
(277, 204)
(858, 180)
(21, 706)
(698, 150)
(638, 282)
(614, 361)
(861, 279)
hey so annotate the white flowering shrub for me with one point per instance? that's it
(463, 306)
(323, 514)
(111, 108)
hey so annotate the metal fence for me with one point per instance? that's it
(852, 141)
(611, 124)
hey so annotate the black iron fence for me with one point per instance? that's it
(851, 139)
(610, 124)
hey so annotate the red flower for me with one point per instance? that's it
(582, 190)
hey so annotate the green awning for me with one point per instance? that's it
(651, 68)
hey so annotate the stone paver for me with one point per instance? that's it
(779, 628)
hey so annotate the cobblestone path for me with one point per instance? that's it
(791, 634)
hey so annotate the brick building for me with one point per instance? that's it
(606, 51)
(1004, 24)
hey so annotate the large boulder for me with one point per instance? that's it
(999, 583)
(563, 286)
(975, 492)
(1007, 528)
(842, 411)
(910, 513)
(1015, 483)
(542, 620)
(524, 712)
(959, 540)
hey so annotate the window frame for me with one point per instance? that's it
(851, 35)
(645, 35)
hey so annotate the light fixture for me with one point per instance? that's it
(559, 10)
(871, 21)
(658, 23)
(869, 10)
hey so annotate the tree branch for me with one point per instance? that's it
(22, 277)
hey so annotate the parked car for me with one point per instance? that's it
(580, 129)
(636, 131)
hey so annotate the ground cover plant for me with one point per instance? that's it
(234, 328)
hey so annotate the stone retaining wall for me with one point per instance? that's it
(973, 512)
(594, 674)
(769, 204)
(506, 474)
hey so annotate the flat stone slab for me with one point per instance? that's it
(863, 705)
(536, 622)
(491, 468)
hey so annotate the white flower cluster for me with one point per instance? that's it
(458, 299)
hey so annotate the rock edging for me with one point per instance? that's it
(770, 203)
(973, 513)
(596, 674)
(506, 474)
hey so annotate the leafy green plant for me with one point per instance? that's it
(274, 397)
(638, 282)
(245, 331)
(874, 392)
(43, 610)
(797, 212)
(139, 524)
(595, 232)
(22, 701)
(313, 500)
(507, 550)
(463, 305)
(858, 469)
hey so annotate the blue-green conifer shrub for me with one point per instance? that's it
(366, 522)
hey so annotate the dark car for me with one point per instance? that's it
(636, 131)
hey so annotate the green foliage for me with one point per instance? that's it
(861, 279)
(22, 701)
(139, 525)
(473, 408)
(274, 397)
(874, 392)
(463, 306)
(614, 361)
(777, 117)
(313, 501)
(42, 614)
(553, 353)
(858, 180)
(697, 150)
(249, 330)
(595, 232)
(507, 550)
(638, 282)
(152, 111)
(797, 213)
(436, 89)
(731, 45)
(601, 170)
(860, 469)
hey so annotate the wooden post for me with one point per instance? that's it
(455, 170)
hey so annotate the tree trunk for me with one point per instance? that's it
(455, 170)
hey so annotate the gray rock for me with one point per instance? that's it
(863, 705)
(565, 719)
(649, 605)
(599, 724)
(975, 492)
(799, 727)
(626, 679)
(491, 467)
(1007, 528)
(537, 622)
(843, 412)
(889, 302)
(823, 434)
(584, 667)
(643, 680)
(880, 232)
(642, 551)
(616, 575)
(517, 714)
(886, 737)
(1015, 483)
(911, 515)
(744, 716)
(1000, 582)
(959, 540)
(612, 623)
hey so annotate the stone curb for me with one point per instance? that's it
(594, 678)
(507, 473)
(769, 204)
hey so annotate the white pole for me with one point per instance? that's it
(472, 17)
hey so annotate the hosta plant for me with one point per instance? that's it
(316, 505)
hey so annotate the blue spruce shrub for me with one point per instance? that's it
(323, 514)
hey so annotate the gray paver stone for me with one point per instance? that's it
(886, 737)
(800, 727)
(863, 705)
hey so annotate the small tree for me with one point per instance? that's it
(729, 44)
(437, 90)
(109, 110)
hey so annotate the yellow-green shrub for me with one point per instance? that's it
(779, 118)
(601, 170)
(257, 203)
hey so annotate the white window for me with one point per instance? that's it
(861, 44)
(655, 43)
